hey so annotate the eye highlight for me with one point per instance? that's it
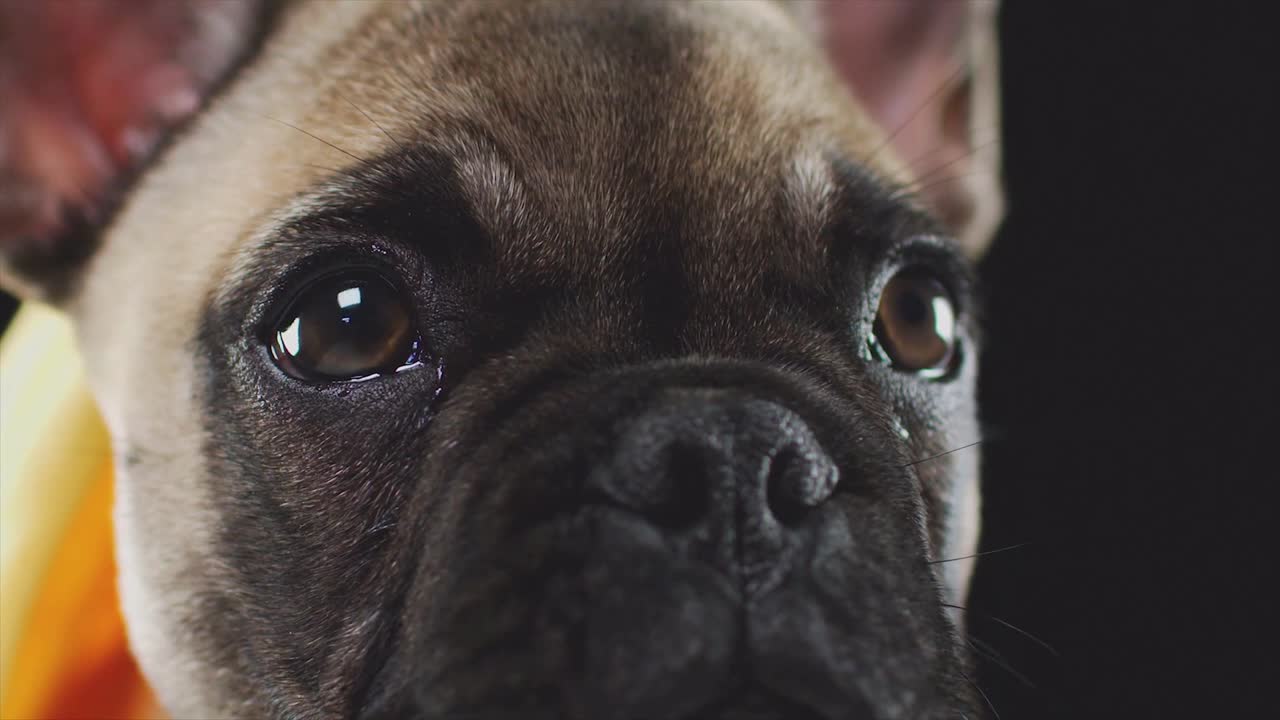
(350, 325)
(915, 325)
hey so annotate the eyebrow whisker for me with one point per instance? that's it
(969, 152)
(317, 138)
(915, 189)
(375, 122)
(956, 74)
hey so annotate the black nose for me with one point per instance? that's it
(729, 466)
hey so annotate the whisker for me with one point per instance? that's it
(969, 152)
(918, 188)
(313, 166)
(983, 694)
(919, 183)
(317, 138)
(948, 452)
(1025, 634)
(960, 70)
(1011, 626)
(989, 653)
(375, 122)
(979, 554)
(927, 180)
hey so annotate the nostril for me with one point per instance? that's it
(687, 499)
(784, 502)
(798, 481)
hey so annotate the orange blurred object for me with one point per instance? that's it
(73, 660)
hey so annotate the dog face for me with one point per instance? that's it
(580, 359)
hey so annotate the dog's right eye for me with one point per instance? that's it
(347, 326)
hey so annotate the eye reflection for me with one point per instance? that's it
(944, 318)
(349, 297)
(289, 337)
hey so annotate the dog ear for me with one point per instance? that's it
(88, 91)
(926, 71)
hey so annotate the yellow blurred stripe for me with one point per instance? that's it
(53, 447)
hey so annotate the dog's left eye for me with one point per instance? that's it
(915, 326)
(348, 326)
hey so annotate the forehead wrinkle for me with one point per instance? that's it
(582, 112)
(501, 205)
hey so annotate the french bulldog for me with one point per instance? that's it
(595, 360)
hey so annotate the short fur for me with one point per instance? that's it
(593, 206)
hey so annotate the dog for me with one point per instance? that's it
(545, 359)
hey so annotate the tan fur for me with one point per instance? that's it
(186, 219)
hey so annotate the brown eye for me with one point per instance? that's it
(916, 324)
(345, 327)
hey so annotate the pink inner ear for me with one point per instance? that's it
(87, 87)
(903, 60)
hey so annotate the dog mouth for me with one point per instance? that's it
(645, 652)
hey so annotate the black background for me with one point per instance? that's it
(1128, 385)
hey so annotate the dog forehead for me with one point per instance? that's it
(607, 115)
(575, 129)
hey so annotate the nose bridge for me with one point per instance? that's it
(733, 479)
